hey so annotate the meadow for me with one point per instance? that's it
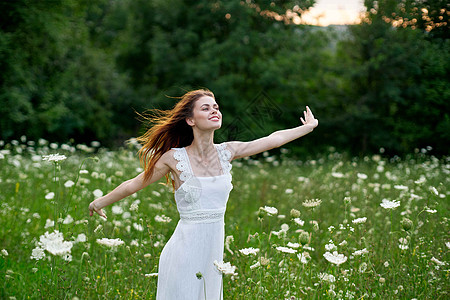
(323, 227)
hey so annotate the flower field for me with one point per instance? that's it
(328, 227)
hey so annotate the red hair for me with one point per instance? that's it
(169, 129)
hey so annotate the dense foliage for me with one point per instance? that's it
(80, 69)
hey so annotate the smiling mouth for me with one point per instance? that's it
(214, 118)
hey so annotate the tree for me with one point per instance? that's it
(398, 85)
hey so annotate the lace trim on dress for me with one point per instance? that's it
(183, 164)
(224, 157)
(190, 187)
(203, 216)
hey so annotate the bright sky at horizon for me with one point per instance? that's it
(334, 12)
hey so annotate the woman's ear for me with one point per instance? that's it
(190, 121)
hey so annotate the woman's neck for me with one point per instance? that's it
(202, 143)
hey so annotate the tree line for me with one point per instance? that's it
(82, 69)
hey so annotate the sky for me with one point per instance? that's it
(333, 12)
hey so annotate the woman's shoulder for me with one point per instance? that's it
(168, 156)
(225, 150)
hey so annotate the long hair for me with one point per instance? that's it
(168, 129)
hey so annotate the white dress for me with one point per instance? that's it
(198, 239)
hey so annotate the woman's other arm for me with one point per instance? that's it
(276, 139)
(129, 187)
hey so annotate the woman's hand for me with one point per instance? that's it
(309, 118)
(93, 207)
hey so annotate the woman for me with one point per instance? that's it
(181, 144)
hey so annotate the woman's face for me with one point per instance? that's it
(206, 114)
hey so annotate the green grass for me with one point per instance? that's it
(420, 182)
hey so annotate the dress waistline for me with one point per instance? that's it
(203, 216)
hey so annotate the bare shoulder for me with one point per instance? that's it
(168, 157)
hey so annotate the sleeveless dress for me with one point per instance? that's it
(198, 239)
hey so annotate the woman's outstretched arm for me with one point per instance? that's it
(276, 139)
(129, 187)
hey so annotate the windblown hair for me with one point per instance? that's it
(168, 129)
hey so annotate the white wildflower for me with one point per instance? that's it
(138, 227)
(134, 206)
(421, 180)
(117, 210)
(81, 238)
(335, 257)
(49, 223)
(304, 257)
(126, 215)
(361, 176)
(386, 264)
(359, 220)
(249, 251)
(97, 193)
(401, 187)
(54, 243)
(286, 249)
(99, 227)
(403, 244)
(284, 227)
(387, 204)
(331, 246)
(225, 268)
(50, 196)
(257, 264)
(312, 203)
(270, 210)
(363, 267)
(431, 211)
(110, 242)
(337, 175)
(403, 241)
(360, 252)
(447, 244)
(54, 157)
(151, 275)
(68, 219)
(293, 245)
(299, 221)
(289, 191)
(438, 262)
(37, 253)
(327, 277)
(434, 191)
(162, 219)
(277, 233)
(4, 252)
(69, 183)
(228, 240)
(295, 213)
